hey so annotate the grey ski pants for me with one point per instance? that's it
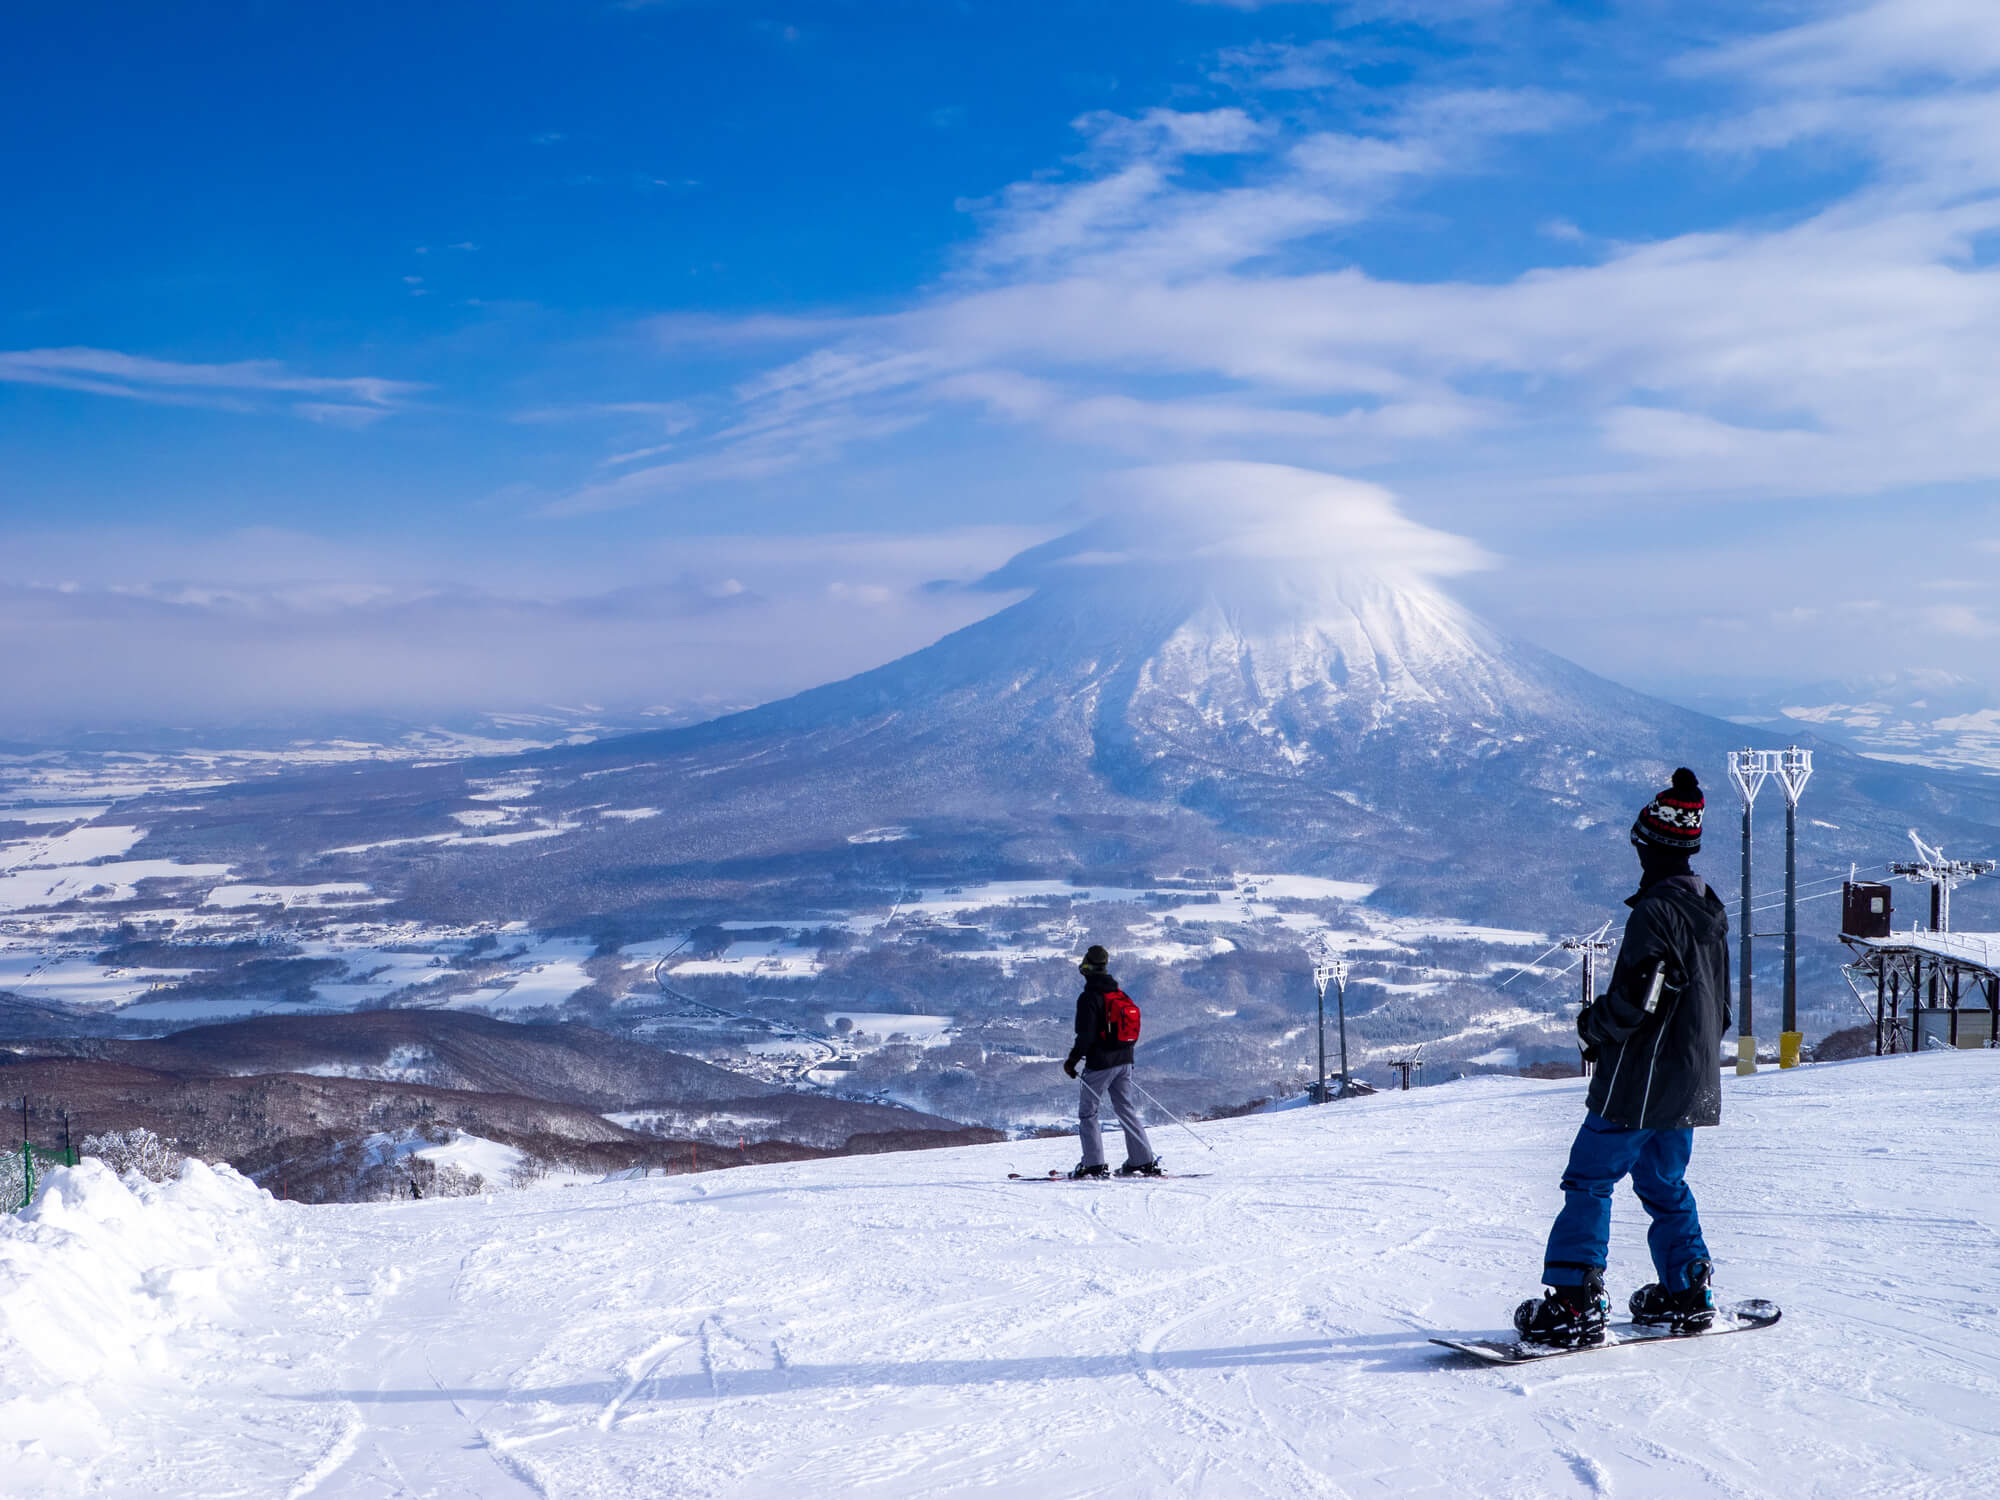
(1114, 1084)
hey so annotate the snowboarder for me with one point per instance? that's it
(1655, 1037)
(1107, 1026)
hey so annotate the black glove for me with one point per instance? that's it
(1583, 1036)
(1069, 1067)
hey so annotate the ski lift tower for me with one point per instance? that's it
(1749, 769)
(1589, 946)
(1328, 967)
(1931, 868)
(1795, 769)
(1403, 1065)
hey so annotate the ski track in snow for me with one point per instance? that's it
(917, 1326)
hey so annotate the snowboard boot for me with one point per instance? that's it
(1084, 1169)
(1143, 1169)
(1569, 1317)
(1689, 1311)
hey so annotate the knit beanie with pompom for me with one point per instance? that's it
(1672, 820)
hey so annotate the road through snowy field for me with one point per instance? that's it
(916, 1325)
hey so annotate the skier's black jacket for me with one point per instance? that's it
(1663, 1071)
(1092, 1046)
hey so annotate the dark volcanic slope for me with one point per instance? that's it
(448, 1050)
(308, 1136)
(291, 1098)
(566, 1069)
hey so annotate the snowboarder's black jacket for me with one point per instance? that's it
(1663, 1071)
(1092, 1047)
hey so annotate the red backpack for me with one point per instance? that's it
(1121, 1018)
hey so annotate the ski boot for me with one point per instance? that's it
(1085, 1169)
(1143, 1169)
(1689, 1311)
(1569, 1317)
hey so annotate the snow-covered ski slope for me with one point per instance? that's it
(916, 1325)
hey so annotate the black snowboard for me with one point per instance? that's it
(1730, 1317)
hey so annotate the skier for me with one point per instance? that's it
(1655, 1036)
(1107, 1024)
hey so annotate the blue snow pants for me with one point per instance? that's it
(1656, 1161)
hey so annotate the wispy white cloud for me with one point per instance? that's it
(1128, 208)
(1121, 266)
(1869, 46)
(673, 331)
(746, 454)
(340, 413)
(1287, 66)
(99, 627)
(1196, 425)
(667, 416)
(1845, 351)
(239, 386)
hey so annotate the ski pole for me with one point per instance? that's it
(1157, 1105)
(1172, 1116)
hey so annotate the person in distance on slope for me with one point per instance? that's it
(1107, 1071)
(1655, 1036)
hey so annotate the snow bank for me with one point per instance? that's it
(100, 1277)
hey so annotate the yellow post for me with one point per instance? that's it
(1746, 1054)
(1789, 1043)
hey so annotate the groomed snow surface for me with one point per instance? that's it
(916, 1325)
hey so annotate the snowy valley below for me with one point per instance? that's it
(917, 1325)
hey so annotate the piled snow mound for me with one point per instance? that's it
(99, 1275)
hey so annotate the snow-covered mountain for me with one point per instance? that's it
(1134, 710)
(1920, 717)
(1154, 714)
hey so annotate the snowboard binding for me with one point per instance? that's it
(1569, 1317)
(1690, 1310)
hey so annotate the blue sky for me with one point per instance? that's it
(418, 358)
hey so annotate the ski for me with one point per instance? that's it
(1730, 1317)
(1114, 1177)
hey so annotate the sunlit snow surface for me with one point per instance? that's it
(916, 1325)
(286, 895)
(928, 1031)
(546, 972)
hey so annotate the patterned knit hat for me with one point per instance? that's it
(1672, 820)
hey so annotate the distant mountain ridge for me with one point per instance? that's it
(1920, 717)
